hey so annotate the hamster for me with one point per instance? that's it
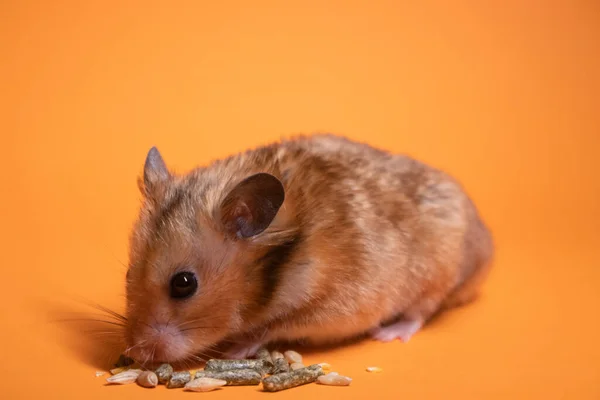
(316, 238)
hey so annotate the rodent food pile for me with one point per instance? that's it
(274, 370)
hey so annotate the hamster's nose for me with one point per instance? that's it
(158, 343)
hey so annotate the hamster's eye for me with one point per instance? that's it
(183, 285)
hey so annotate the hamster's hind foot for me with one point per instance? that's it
(403, 329)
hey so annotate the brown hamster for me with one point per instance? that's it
(316, 238)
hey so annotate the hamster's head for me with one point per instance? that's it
(190, 276)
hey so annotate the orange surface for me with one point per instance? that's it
(502, 94)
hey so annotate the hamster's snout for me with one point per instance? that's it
(158, 343)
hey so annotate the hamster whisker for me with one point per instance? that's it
(196, 358)
(93, 320)
(105, 310)
(127, 350)
(197, 327)
(107, 333)
(203, 319)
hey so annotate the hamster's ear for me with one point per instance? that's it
(156, 173)
(251, 206)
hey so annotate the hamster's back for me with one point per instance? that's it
(395, 235)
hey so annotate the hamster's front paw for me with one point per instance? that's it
(403, 330)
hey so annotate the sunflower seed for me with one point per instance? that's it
(125, 377)
(374, 369)
(115, 371)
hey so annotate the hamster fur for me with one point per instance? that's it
(315, 238)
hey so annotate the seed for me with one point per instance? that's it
(124, 361)
(100, 373)
(125, 377)
(287, 380)
(204, 384)
(296, 365)
(374, 369)
(325, 366)
(236, 377)
(334, 379)
(115, 371)
(292, 356)
(147, 379)
(262, 366)
(263, 354)
(179, 379)
(164, 373)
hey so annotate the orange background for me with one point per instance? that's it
(502, 94)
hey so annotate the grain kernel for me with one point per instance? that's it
(292, 356)
(325, 366)
(147, 379)
(164, 373)
(296, 365)
(374, 369)
(334, 379)
(179, 379)
(115, 371)
(125, 377)
(204, 384)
